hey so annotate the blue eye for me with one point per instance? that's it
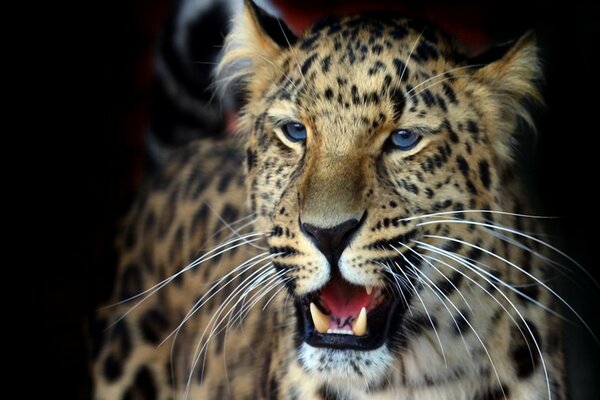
(294, 131)
(405, 139)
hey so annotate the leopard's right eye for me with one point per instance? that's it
(294, 131)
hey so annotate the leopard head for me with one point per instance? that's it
(355, 131)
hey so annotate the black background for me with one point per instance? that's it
(97, 104)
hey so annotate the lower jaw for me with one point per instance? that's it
(349, 371)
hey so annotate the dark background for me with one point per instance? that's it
(102, 66)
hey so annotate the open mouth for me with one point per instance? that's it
(345, 316)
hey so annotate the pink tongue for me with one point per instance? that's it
(343, 299)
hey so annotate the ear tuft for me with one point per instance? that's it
(255, 40)
(273, 27)
(511, 78)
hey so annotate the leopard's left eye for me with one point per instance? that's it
(405, 139)
(294, 131)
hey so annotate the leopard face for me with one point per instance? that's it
(368, 138)
(375, 151)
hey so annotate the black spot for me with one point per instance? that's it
(471, 187)
(401, 69)
(273, 388)
(496, 393)
(484, 173)
(398, 102)
(399, 32)
(112, 368)
(354, 93)
(428, 97)
(442, 205)
(371, 98)
(441, 103)
(328, 394)
(377, 49)
(420, 323)
(224, 182)
(451, 284)
(463, 166)
(251, 160)
(198, 225)
(474, 254)
(230, 213)
(325, 64)
(153, 325)
(452, 246)
(462, 322)
(453, 136)
(307, 64)
(376, 67)
(143, 386)
(424, 52)
(523, 349)
(472, 127)
(449, 92)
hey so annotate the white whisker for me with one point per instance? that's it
(422, 302)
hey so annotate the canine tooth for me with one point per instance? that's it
(359, 328)
(320, 320)
(369, 289)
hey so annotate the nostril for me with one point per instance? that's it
(331, 241)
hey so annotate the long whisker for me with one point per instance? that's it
(270, 281)
(293, 52)
(439, 272)
(503, 283)
(470, 211)
(205, 257)
(210, 293)
(467, 322)
(216, 320)
(422, 303)
(437, 76)
(473, 267)
(398, 284)
(524, 272)
(516, 232)
(152, 290)
(411, 53)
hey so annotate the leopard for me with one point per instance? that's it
(365, 235)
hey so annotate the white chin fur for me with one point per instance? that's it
(339, 367)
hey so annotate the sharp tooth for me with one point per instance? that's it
(360, 325)
(369, 289)
(320, 320)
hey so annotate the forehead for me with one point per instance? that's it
(373, 45)
(360, 69)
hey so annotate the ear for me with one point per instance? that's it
(270, 26)
(255, 40)
(509, 75)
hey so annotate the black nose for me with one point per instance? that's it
(332, 241)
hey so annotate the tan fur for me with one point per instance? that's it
(345, 169)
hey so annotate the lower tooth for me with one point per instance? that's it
(359, 328)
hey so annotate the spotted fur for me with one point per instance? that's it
(441, 227)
